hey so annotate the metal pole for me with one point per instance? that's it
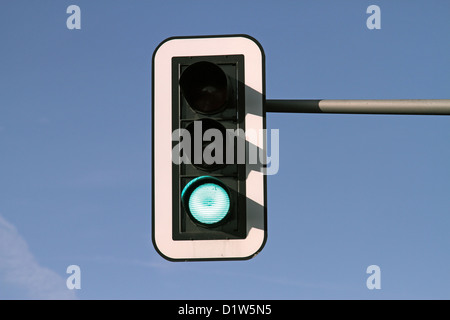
(419, 106)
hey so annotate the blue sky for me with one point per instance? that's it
(352, 190)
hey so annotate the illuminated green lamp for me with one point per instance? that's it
(207, 200)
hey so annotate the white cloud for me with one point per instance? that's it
(19, 268)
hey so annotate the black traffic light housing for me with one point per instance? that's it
(209, 94)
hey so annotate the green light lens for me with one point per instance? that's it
(209, 203)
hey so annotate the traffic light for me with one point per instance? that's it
(208, 192)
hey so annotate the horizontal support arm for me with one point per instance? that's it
(419, 106)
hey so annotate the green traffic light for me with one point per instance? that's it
(207, 200)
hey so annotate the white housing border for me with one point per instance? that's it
(162, 148)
